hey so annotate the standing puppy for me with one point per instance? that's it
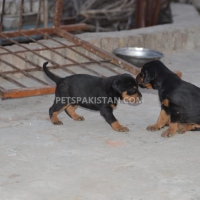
(91, 92)
(180, 100)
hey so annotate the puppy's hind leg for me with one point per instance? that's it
(70, 110)
(54, 110)
(182, 128)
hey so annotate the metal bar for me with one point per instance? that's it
(23, 72)
(21, 15)
(58, 13)
(70, 28)
(2, 89)
(74, 27)
(2, 14)
(11, 80)
(99, 63)
(63, 56)
(13, 34)
(22, 58)
(100, 52)
(83, 55)
(42, 49)
(27, 92)
(45, 58)
(45, 12)
(38, 15)
(49, 67)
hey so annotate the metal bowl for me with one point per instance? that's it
(138, 55)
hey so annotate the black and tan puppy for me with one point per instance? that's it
(180, 100)
(91, 92)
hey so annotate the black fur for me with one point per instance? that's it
(86, 86)
(183, 98)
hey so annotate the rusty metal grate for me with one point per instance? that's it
(90, 55)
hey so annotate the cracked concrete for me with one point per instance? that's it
(88, 160)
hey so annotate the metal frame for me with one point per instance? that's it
(61, 31)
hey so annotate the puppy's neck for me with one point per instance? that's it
(162, 78)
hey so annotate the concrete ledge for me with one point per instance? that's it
(182, 34)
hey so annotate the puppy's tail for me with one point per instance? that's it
(52, 76)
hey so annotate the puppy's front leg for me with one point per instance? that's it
(107, 112)
(173, 125)
(163, 119)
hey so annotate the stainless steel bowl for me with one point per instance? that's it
(138, 55)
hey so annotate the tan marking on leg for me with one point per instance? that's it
(171, 131)
(197, 125)
(118, 127)
(163, 119)
(54, 118)
(71, 111)
(167, 124)
(165, 102)
(182, 128)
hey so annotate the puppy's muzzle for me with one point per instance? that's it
(139, 80)
(137, 97)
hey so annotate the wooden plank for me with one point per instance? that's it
(27, 92)
(157, 9)
(139, 14)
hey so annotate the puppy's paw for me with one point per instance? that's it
(154, 127)
(181, 129)
(118, 127)
(168, 133)
(79, 118)
(122, 129)
(58, 122)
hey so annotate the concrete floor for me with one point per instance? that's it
(88, 160)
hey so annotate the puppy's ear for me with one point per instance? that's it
(149, 75)
(116, 85)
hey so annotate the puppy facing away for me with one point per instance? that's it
(180, 100)
(91, 92)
